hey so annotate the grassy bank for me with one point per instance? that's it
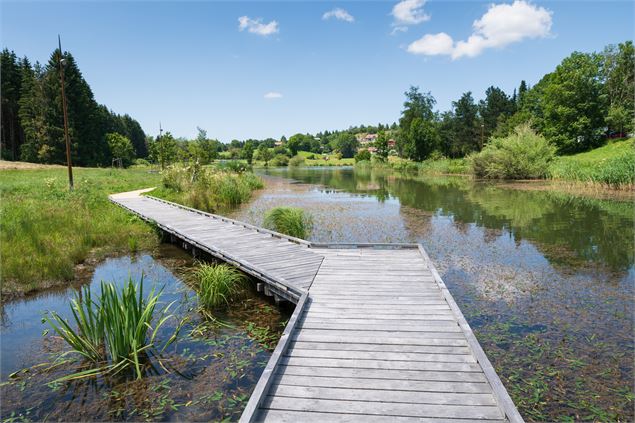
(316, 159)
(612, 165)
(46, 230)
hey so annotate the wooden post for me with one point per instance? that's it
(68, 143)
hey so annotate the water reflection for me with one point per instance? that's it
(545, 279)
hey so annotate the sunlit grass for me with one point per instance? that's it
(46, 230)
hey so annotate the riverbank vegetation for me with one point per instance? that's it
(292, 221)
(206, 188)
(47, 230)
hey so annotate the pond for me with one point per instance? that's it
(208, 374)
(545, 279)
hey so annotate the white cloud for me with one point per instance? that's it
(398, 29)
(272, 95)
(339, 14)
(255, 26)
(432, 45)
(501, 25)
(410, 12)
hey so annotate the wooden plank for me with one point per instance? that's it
(289, 416)
(378, 395)
(386, 356)
(383, 408)
(380, 364)
(409, 380)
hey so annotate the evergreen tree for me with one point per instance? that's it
(466, 125)
(417, 106)
(11, 70)
(495, 106)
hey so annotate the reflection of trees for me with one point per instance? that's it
(595, 230)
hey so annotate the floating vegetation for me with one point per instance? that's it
(218, 285)
(115, 332)
(207, 375)
(292, 221)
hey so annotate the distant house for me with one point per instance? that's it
(367, 139)
(372, 150)
(278, 143)
(392, 143)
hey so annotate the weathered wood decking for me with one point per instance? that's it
(375, 336)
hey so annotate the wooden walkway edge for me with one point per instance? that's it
(375, 334)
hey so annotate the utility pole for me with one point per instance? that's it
(482, 130)
(162, 158)
(68, 142)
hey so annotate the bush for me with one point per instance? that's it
(296, 161)
(311, 157)
(141, 162)
(362, 155)
(280, 160)
(281, 150)
(233, 166)
(290, 221)
(117, 332)
(521, 155)
(218, 285)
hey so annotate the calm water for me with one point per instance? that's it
(208, 374)
(545, 279)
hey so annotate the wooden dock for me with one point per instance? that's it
(375, 335)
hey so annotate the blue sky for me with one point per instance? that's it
(190, 64)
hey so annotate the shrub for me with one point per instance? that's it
(281, 150)
(311, 157)
(233, 166)
(521, 155)
(116, 332)
(280, 160)
(141, 162)
(291, 221)
(362, 155)
(218, 285)
(296, 161)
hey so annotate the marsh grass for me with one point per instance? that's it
(208, 189)
(116, 332)
(292, 221)
(45, 230)
(218, 285)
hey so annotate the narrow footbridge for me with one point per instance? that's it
(375, 335)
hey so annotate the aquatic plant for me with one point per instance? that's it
(116, 331)
(292, 221)
(218, 285)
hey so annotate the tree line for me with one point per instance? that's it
(587, 98)
(32, 117)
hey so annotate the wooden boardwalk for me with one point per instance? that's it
(375, 335)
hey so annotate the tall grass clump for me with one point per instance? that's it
(218, 285)
(521, 155)
(208, 189)
(118, 331)
(292, 221)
